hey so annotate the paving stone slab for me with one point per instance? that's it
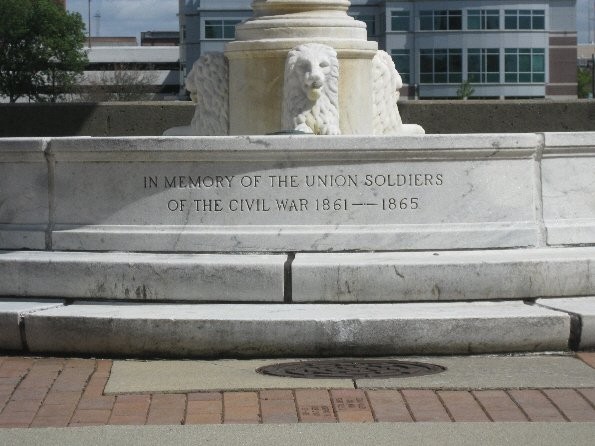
(469, 373)
(584, 307)
(141, 276)
(261, 330)
(495, 372)
(443, 275)
(11, 312)
(188, 376)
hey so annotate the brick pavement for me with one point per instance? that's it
(60, 392)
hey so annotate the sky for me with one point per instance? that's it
(128, 17)
(131, 17)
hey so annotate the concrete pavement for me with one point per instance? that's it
(380, 434)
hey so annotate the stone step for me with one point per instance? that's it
(582, 308)
(290, 330)
(310, 277)
(142, 276)
(443, 275)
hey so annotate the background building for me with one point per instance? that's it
(160, 38)
(506, 49)
(134, 72)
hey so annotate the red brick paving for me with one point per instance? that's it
(54, 392)
(278, 406)
(351, 405)
(572, 404)
(389, 406)
(499, 406)
(241, 407)
(462, 406)
(314, 406)
(425, 405)
(587, 357)
(536, 405)
(204, 408)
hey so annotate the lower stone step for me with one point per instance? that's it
(268, 330)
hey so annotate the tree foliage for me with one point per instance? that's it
(124, 83)
(585, 82)
(41, 49)
(465, 90)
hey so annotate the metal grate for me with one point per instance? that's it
(347, 369)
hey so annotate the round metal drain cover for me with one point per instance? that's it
(351, 369)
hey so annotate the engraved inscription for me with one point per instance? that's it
(321, 193)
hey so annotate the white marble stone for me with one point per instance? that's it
(443, 275)
(568, 180)
(310, 330)
(257, 63)
(208, 85)
(584, 308)
(294, 193)
(11, 312)
(24, 198)
(138, 276)
(311, 90)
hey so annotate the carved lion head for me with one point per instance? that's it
(312, 65)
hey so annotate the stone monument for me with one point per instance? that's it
(364, 241)
(297, 66)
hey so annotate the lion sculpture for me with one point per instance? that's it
(387, 83)
(311, 90)
(208, 86)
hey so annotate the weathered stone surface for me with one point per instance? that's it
(584, 308)
(24, 198)
(11, 312)
(294, 193)
(568, 188)
(136, 276)
(444, 275)
(309, 330)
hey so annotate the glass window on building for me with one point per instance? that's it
(370, 21)
(220, 29)
(441, 66)
(524, 19)
(483, 19)
(399, 20)
(524, 65)
(402, 62)
(483, 65)
(443, 20)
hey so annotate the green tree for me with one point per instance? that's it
(41, 49)
(584, 82)
(465, 90)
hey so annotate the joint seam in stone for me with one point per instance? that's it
(538, 192)
(288, 278)
(51, 194)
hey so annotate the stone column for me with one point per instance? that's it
(257, 62)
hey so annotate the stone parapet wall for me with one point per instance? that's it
(152, 118)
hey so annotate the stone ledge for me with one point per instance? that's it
(184, 330)
(443, 275)
(584, 308)
(139, 276)
(11, 313)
